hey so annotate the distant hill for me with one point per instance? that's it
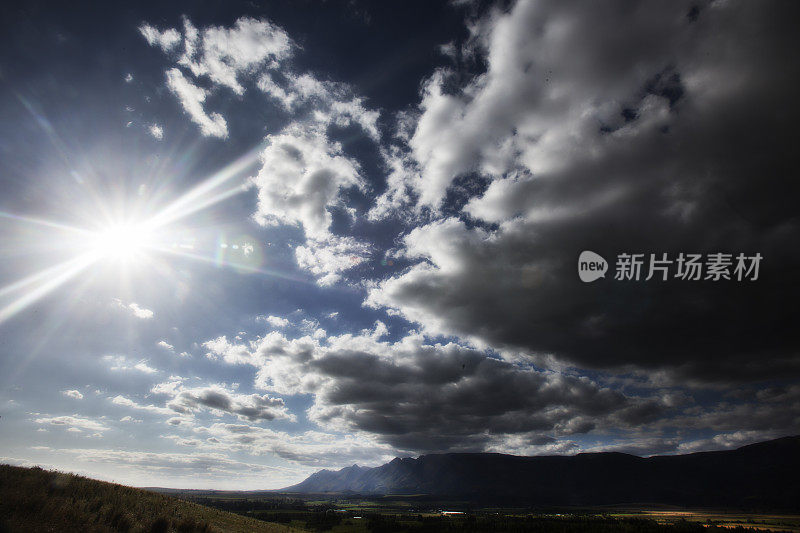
(764, 475)
(34, 500)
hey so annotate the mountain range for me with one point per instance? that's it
(762, 475)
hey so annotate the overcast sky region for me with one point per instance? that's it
(244, 241)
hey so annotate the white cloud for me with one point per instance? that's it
(539, 103)
(328, 258)
(124, 401)
(141, 366)
(128, 77)
(167, 346)
(276, 321)
(156, 131)
(166, 40)
(222, 54)
(303, 171)
(192, 97)
(135, 309)
(329, 102)
(74, 423)
(230, 353)
(272, 89)
(121, 363)
(301, 176)
(140, 312)
(72, 393)
(220, 399)
(399, 197)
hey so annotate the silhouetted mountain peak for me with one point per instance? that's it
(763, 474)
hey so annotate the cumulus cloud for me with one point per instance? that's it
(218, 398)
(301, 176)
(276, 321)
(72, 393)
(423, 397)
(231, 353)
(648, 142)
(417, 396)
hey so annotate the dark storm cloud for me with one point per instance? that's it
(424, 397)
(775, 410)
(615, 127)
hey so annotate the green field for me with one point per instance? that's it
(421, 513)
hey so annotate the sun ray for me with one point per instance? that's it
(43, 222)
(68, 270)
(192, 201)
(240, 266)
(45, 332)
(38, 276)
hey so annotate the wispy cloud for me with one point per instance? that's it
(191, 98)
(166, 40)
(74, 423)
(135, 309)
(121, 363)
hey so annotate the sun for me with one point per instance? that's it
(121, 242)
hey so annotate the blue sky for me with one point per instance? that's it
(245, 241)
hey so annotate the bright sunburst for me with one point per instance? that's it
(126, 242)
(123, 242)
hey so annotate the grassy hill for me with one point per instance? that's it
(34, 500)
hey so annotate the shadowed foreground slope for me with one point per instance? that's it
(33, 500)
(760, 476)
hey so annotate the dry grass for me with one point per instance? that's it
(34, 500)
